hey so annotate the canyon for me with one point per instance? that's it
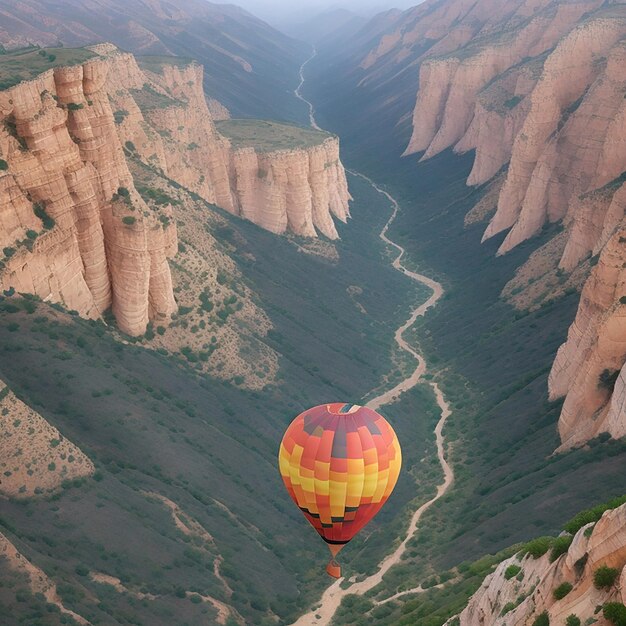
(536, 90)
(77, 230)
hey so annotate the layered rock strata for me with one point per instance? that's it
(298, 191)
(91, 242)
(73, 226)
(589, 365)
(519, 599)
(538, 90)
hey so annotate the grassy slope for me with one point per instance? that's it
(30, 62)
(151, 425)
(266, 136)
(493, 361)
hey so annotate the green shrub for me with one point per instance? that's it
(538, 547)
(81, 570)
(122, 191)
(604, 577)
(129, 220)
(512, 570)
(560, 546)
(542, 620)
(75, 106)
(572, 620)
(196, 599)
(130, 146)
(3, 165)
(615, 612)
(562, 590)
(622, 300)
(119, 115)
(40, 212)
(8, 252)
(592, 515)
(509, 606)
(31, 234)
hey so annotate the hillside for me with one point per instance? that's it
(248, 65)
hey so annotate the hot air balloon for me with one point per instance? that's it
(340, 463)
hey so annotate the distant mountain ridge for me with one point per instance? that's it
(249, 66)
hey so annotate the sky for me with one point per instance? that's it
(282, 11)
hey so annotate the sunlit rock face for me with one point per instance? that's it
(537, 89)
(518, 600)
(73, 226)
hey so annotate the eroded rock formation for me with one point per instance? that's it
(296, 191)
(92, 243)
(517, 600)
(537, 88)
(75, 228)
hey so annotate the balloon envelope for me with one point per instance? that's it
(340, 463)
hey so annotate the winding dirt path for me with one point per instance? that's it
(332, 597)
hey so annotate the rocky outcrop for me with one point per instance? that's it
(169, 125)
(298, 191)
(588, 363)
(518, 599)
(74, 227)
(92, 242)
(543, 91)
(537, 89)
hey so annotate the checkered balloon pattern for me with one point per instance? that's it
(340, 463)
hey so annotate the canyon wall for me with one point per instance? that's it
(538, 90)
(74, 227)
(518, 599)
(298, 191)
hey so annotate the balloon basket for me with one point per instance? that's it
(333, 569)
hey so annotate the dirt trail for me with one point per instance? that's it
(332, 597)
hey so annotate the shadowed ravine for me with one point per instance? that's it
(332, 597)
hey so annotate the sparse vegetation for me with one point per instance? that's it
(26, 63)
(267, 136)
(538, 547)
(589, 516)
(542, 619)
(120, 115)
(607, 379)
(560, 546)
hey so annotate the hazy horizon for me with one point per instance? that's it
(281, 12)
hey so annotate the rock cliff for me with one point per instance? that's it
(537, 89)
(74, 226)
(523, 587)
(80, 233)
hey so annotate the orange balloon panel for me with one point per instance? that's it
(340, 463)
